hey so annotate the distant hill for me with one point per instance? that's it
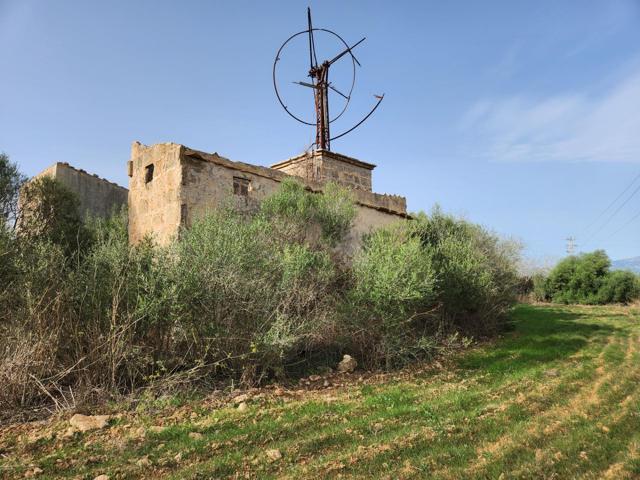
(632, 264)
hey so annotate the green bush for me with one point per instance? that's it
(619, 287)
(7, 254)
(586, 279)
(50, 212)
(295, 210)
(417, 281)
(123, 303)
(392, 296)
(11, 180)
(259, 300)
(236, 296)
(476, 271)
(540, 291)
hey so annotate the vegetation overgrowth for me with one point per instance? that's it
(556, 398)
(586, 279)
(239, 296)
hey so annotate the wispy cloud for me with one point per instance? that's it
(570, 127)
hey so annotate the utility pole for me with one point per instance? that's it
(571, 245)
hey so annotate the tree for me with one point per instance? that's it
(620, 286)
(577, 279)
(10, 182)
(49, 211)
(586, 278)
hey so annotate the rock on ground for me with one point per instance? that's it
(347, 365)
(85, 423)
(34, 472)
(274, 454)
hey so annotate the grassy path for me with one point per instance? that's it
(559, 397)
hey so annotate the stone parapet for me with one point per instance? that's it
(98, 196)
(381, 201)
(171, 185)
(326, 166)
(391, 203)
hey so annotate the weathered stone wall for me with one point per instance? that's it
(154, 205)
(346, 171)
(98, 197)
(326, 166)
(208, 184)
(305, 166)
(187, 183)
(393, 204)
(367, 219)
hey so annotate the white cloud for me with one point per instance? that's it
(580, 127)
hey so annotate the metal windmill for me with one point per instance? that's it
(319, 75)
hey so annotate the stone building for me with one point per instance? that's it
(98, 197)
(170, 185)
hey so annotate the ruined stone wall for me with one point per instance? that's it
(206, 185)
(98, 197)
(154, 203)
(351, 174)
(393, 204)
(367, 219)
(306, 166)
(325, 166)
(187, 183)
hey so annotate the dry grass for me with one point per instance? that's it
(556, 398)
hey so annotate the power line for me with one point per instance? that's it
(611, 204)
(571, 245)
(612, 215)
(629, 222)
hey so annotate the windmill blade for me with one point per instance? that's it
(305, 84)
(313, 60)
(338, 91)
(380, 98)
(348, 50)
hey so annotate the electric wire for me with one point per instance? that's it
(612, 215)
(629, 222)
(595, 220)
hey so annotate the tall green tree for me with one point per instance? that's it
(10, 182)
(50, 212)
(586, 278)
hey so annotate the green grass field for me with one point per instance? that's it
(558, 397)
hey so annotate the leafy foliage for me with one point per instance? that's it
(476, 270)
(332, 212)
(393, 288)
(50, 212)
(619, 287)
(586, 279)
(236, 296)
(10, 182)
(418, 280)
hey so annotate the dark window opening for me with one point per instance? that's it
(148, 173)
(241, 186)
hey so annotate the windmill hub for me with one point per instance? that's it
(321, 86)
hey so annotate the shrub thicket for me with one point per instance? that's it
(587, 279)
(11, 180)
(237, 295)
(50, 212)
(416, 281)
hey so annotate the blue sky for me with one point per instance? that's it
(522, 116)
